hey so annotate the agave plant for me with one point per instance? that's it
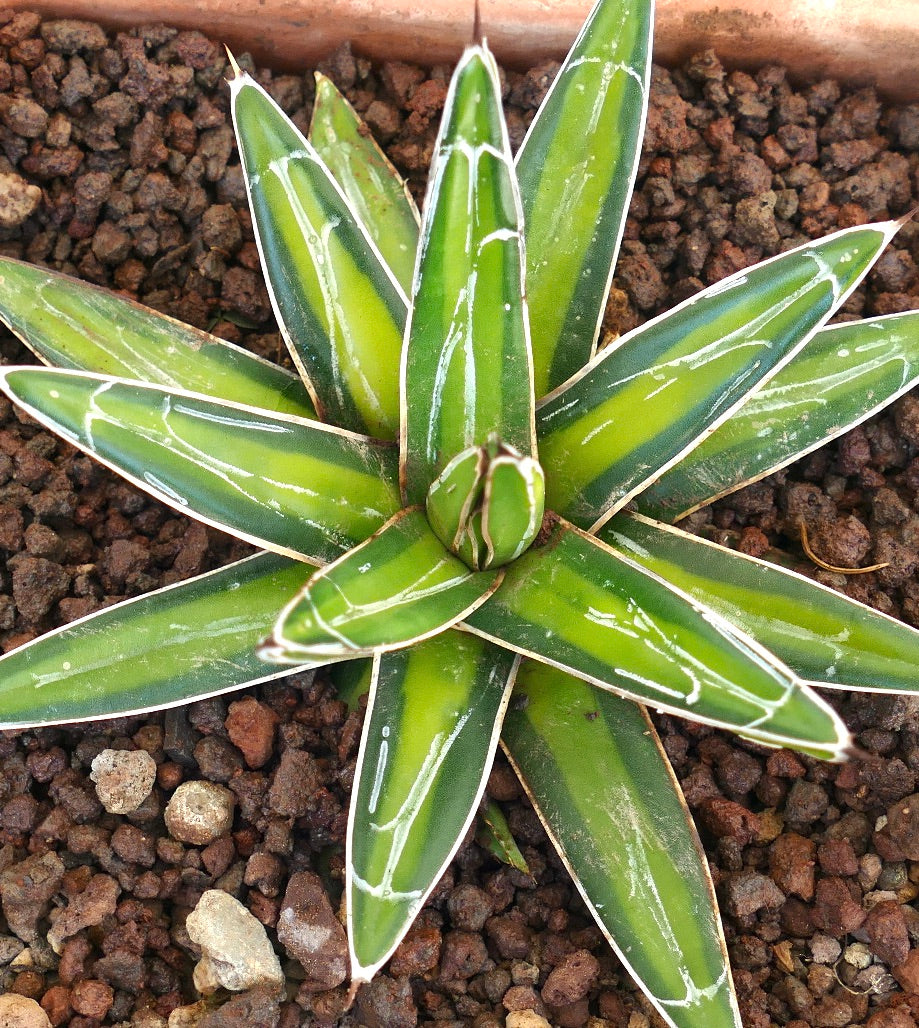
(487, 498)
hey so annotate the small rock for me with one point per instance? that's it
(469, 907)
(907, 973)
(20, 1012)
(236, 953)
(124, 779)
(824, 950)
(26, 889)
(199, 812)
(69, 36)
(526, 1019)
(903, 825)
(18, 200)
(257, 1007)
(835, 911)
(92, 998)
(386, 1003)
(885, 928)
(791, 865)
(571, 979)
(747, 892)
(295, 783)
(463, 955)
(99, 898)
(251, 726)
(311, 933)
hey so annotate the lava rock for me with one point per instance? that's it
(311, 933)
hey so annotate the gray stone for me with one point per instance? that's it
(236, 953)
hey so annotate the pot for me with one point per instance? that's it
(857, 40)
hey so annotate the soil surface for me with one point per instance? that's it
(117, 163)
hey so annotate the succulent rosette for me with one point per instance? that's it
(466, 508)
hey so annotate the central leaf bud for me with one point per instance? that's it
(486, 505)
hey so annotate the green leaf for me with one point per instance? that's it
(368, 179)
(430, 735)
(468, 372)
(398, 587)
(595, 770)
(576, 170)
(351, 679)
(575, 603)
(647, 401)
(181, 643)
(293, 486)
(339, 308)
(495, 835)
(845, 374)
(820, 634)
(71, 324)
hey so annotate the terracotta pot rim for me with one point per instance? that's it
(854, 40)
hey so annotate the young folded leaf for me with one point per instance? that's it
(647, 401)
(398, 587)
(467, 373)
(495, 835)
(486, 506)
(430, 733)
(339, 308)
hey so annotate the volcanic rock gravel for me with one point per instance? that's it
(117, 163)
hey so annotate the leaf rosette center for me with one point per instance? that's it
(487, 504)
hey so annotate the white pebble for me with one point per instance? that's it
(20, 1012)
(199, 812)
(235, 951)
(123, 779)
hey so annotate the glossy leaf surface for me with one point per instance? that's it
(467, 370)
(430, 734)
(400, 586)
(653, 396)
(845, 374)
(296, 487)
(372, 185)
(181, 643)
(819, 633)
(577, 604)
(594, 768)
(71, 324)
(341, 312)
(576, 170)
